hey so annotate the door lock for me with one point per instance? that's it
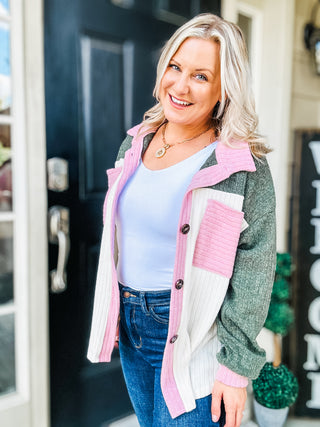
(58, 175)
(59, 234)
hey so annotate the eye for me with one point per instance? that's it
(201, 77)
(174, 67)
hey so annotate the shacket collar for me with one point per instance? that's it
(222, 163)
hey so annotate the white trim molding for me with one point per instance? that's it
(15, 405)
(229, 10)
(255, 47)
(37, 212)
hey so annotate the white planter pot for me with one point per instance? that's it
(267, 417)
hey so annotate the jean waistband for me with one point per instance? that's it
(150, 297)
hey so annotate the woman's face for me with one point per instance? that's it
(191, 85)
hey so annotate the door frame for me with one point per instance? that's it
(37, 212)
(28, 74)
(14, 406)
(29, 404)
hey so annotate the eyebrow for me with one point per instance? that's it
(197, 69)
(204, 69)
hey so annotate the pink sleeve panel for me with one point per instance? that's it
(228, 377)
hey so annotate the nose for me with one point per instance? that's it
(182, 84)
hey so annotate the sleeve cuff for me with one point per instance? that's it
(228, 377)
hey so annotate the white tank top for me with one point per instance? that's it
(147, 219)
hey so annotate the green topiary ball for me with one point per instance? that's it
(280, 290)
(275, 388)
(280, 318)
(284, 265)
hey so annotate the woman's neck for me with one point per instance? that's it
(180, 132)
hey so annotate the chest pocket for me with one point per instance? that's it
(218, 237)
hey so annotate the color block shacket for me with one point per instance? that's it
(225, 262)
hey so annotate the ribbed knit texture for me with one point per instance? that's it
(102, 294)
(250, 287)
(195, 355)
(229, 377)
(217, 239)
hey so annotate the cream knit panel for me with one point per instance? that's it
(204, 366)
(103, 284)
(194, 358)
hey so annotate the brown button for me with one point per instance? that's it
(179, 284)
(174, 339)
(185, 229)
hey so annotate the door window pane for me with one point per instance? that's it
(209, 6)
(7, 355)
(6, 263)
(123, 3)
(179, 7)
(5, 169)
(4, 7)
(5, 79)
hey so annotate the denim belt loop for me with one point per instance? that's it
(143, 302)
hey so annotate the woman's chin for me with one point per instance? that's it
(179, 118)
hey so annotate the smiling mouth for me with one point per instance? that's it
(179, 102)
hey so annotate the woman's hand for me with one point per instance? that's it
(116, 342)
(234, 399)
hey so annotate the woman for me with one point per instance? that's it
(189, 235)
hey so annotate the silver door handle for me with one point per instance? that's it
(59, 234)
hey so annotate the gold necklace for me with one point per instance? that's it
(162, 151)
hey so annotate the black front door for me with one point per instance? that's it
(100, 60)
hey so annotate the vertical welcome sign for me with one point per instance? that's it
(304, 352)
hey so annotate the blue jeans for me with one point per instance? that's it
(144, 318)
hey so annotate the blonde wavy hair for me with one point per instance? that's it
(234, 118)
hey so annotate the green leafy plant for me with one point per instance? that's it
(277, 387)
(5, 153)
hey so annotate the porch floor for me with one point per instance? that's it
(132, 421)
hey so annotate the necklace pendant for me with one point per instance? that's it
(162, 151)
